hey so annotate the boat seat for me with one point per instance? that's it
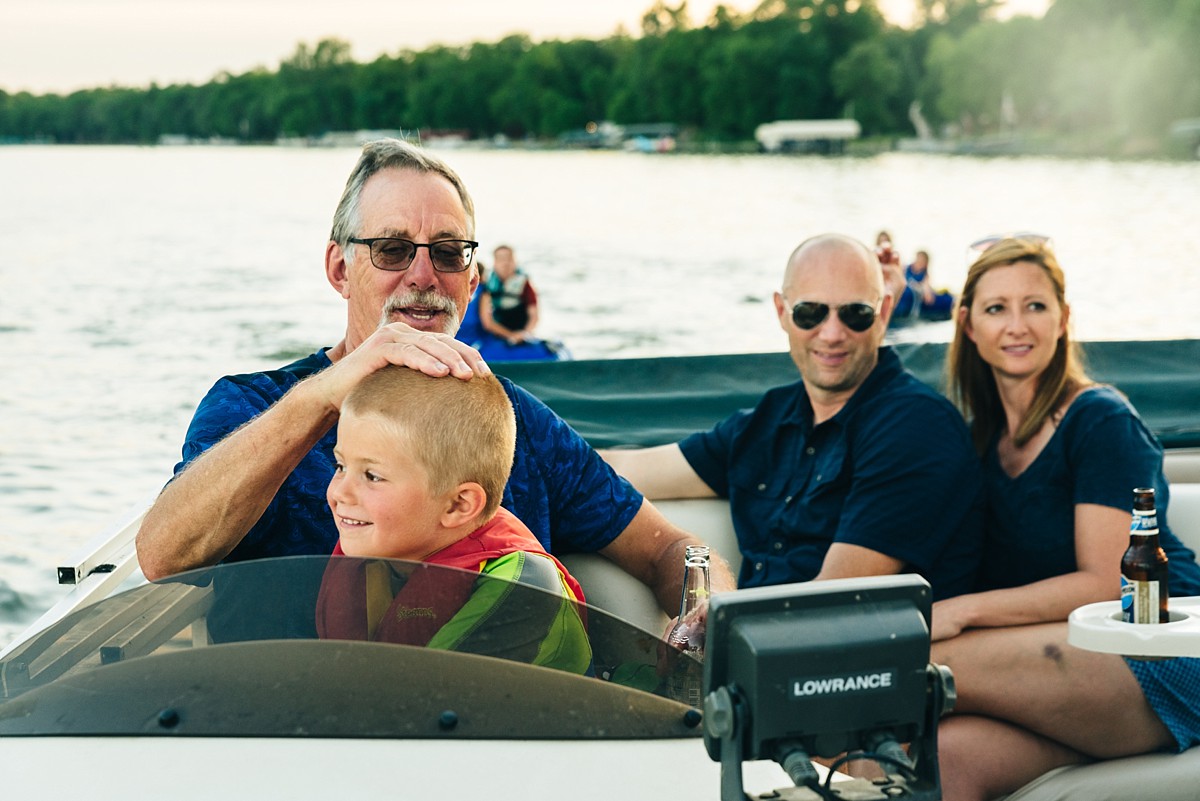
(708, 519)
(1183, 513)
(1163, 777)
(1182, 465)
(612, 589)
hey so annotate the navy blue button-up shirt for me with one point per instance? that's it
(559, 487)
(893, 471)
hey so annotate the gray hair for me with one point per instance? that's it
(382, 154)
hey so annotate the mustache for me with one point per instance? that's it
(424, 299)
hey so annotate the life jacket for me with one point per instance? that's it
(363, 599)
(511, 299)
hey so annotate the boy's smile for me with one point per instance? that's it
(379, 495)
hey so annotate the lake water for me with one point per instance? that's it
(132, 278)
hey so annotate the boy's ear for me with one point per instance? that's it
(466, 503)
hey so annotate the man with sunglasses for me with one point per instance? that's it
(258, 456)
(857, 469)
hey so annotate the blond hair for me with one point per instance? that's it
(457, 430)
(971, 380)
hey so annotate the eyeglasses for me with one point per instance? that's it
(985, 244)
(395, 254)
(858, 317)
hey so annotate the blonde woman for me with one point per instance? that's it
(1061, 456)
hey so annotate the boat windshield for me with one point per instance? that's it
(345, 647)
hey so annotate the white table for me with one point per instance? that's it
(1099, 627)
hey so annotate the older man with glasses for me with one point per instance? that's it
(857, 469)
(259, 453)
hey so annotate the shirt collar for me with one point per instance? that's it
(887, 367)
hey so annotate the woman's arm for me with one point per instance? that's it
(1101, 536)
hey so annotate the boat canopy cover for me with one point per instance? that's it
(652, 401)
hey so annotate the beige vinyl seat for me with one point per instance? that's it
(1161, 777)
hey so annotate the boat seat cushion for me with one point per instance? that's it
(612, 589)
(1182, 465)
(1183, 514)
(1162, 777)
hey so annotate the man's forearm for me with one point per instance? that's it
(651, 549)
(844, 560)
(669, 585)
(659, 472)
(206, 511)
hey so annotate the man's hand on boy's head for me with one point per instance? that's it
(431, 353)
(434, 354)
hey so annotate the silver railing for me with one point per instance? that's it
(95, 570)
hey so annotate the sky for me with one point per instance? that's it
(64, 45)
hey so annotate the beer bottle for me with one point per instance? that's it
(687, 635)
(1144, 589)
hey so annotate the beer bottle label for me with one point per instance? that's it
(1139, 601)
(1144, 524)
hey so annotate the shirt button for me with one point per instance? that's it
(818, 478)
(779, 546)
(762, 487)
(810, 450)
(758, 565)
(788, 499)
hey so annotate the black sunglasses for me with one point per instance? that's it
(858, 317)
(394, 254)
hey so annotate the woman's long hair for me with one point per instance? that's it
(972, 384)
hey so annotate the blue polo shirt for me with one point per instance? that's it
(894, 471)
(559, 486)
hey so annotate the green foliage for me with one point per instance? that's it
(992, 67)
(1103, 74)
(868, 77)
(1106, 71)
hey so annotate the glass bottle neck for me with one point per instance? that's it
(695, 585)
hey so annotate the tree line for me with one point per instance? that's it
(1108, 73)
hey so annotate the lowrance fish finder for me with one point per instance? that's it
(836, 669)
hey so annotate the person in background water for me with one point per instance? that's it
(421, 464)
(917, 276)
(889, 263)
(919, 298)
(1061, 457)
(884, 249)
(508, 306)
(258, 456)
(857, 469)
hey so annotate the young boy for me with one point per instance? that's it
(421, 465)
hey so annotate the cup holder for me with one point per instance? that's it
(1174, 615)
